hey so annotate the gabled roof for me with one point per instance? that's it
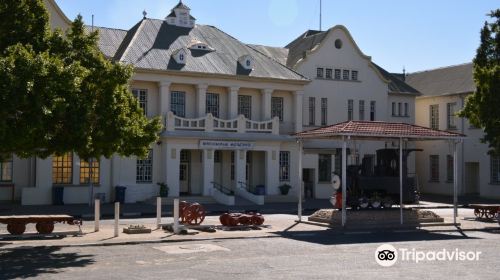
(396, 85)
(379, 130)
(151, 42)
(109, 39)
(277, 53)
(455, 79)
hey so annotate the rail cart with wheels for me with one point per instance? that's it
(16, 225)
(486, 211)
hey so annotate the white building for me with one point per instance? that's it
(443, 94)
(229, 111)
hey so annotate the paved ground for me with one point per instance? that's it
(299, 252)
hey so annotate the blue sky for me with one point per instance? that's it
(418, 34)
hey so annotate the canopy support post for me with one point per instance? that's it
(299, 194)
(344, 180)
(455, 182)
(401, 179)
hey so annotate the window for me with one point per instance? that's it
(284, 166)
(450, 116)
(245, 106)
(337, 74)
(232, 164)
(178, 103)
(181, 57)
(324, 111)
(494, 170)
(217, 157)
(354, 75)
(345, 74)
(319, 73)
(407, 110)
(212, 103)
(393, 108)
(434, 165)
(325, 168)
(62, 169)
(144, 169)
(449, 168)
(328, 73)
(373, 106)
(6, 170)
(312, 110)
(338, 44)
(185, 156)
(277, 107)
(434, 116)
(361, 110)
(400, 109)
(350, 110)
(142, 97)
(85, 172)
(248, 63)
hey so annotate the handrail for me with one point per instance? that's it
(247, 187)
(222, 189)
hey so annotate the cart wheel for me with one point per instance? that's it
(257, 220)
(194, 214)
(16, 228)
(477, 213)
(45, 227)
(489, 214)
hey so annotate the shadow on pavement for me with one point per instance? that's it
(333, 237)
(36, 261)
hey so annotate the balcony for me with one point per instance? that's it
(209, 123)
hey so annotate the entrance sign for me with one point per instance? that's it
(226, 145)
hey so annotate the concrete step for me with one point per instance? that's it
(191, 199)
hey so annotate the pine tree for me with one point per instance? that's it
(481, 107)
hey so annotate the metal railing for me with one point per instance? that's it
(222, 189)
(247, 187)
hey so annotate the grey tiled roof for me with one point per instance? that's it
(150, 44)
(396, 85)
(280, 54)
(446, 80)
(109, 39)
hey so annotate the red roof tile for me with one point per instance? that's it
(369, 129)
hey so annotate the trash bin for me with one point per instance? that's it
(58, 195)
(260, 190)
(120, 194)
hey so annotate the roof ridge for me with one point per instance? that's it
(440, 68)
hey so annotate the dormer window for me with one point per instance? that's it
(180, 16)
(199, 46)
(246, 62)
(180, 56)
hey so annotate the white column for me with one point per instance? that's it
(266, 104)
(232, 102)
(401, 180)
(297, 107)
(455, 182)
(344, 180)
(172, 156)
(158, 212)
(201, 100)
(208, 171)
(300, 188)
(240, 163)
(272, 171)
(163, 97)
(117, 218)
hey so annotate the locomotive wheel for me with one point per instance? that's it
(224, 219)
(45, 227)
(194, 214)
(477, 213)
(375, 203)
(257, 220)
(489, 214)
(387, 203)
(16, 228)
(363, 203)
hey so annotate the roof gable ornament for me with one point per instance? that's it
(180, 16)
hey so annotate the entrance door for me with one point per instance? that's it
(308, 179)
(184, 178)
(472, 177)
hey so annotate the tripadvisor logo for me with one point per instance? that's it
(387, 255)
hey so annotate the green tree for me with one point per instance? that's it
(481, 107)
(59, 94)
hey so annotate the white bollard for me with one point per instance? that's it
(117, 217)
(176, 216)
(158, 212)
(97, 214)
